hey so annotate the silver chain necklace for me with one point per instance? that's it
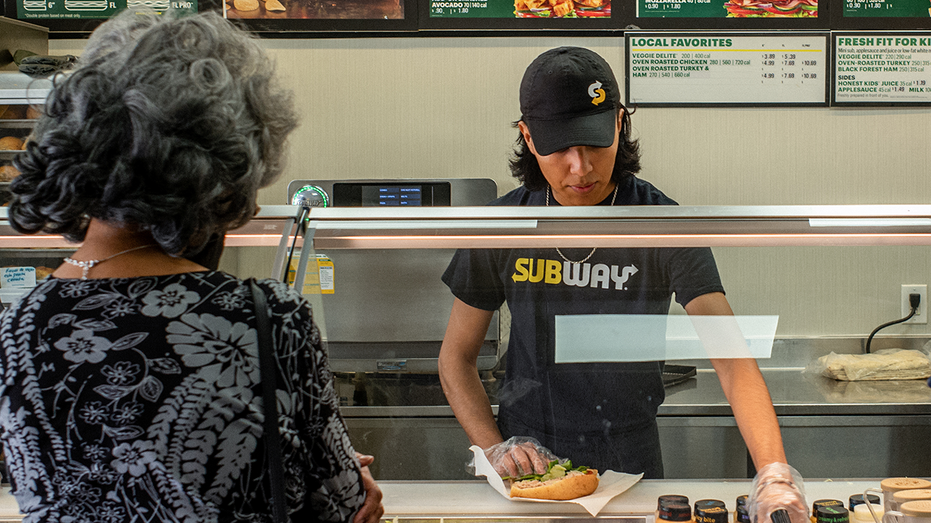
(585, 259)
(86, 265)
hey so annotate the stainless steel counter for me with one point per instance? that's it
(794, 393)
(854, 429)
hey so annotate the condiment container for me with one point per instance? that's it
(910, 512)
(915, 494)
(857, 499)
(711, 514)
(861, 513)
(742, 514)
(823, 503)
(832, 514)
(892, 485)
(673, 508)
(708, 503)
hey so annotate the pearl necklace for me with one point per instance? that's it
(585, 259)
(86, 265)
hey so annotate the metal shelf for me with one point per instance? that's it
(512, 227)
(638, 226)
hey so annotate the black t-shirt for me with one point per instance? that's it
(587, 398)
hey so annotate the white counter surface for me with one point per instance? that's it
(468, 498)
(9, 511)
(477, 498)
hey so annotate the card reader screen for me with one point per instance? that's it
(392, 195)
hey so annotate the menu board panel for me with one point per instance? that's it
(882, 68)
(694, 69)
(882, 15)
(37, 10)
(314, 10)
(520, 9)
(727, 8)
(524, 14)
(886, 8)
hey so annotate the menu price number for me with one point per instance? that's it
(866, 5)
(182, 5)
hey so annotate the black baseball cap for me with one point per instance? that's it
(569, 97)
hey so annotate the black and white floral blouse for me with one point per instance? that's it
(138, 400)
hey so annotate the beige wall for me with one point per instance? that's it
(442, 107)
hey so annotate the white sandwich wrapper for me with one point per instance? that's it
(610, 484)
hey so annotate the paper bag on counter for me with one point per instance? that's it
(610, 484)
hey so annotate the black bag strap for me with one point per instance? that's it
(270, 403)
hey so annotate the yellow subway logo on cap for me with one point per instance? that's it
(597, 93)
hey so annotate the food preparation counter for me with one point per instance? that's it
(462, 500)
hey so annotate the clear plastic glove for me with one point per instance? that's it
(777, 486)
(518, 456)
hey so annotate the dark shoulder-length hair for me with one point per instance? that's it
(170, 125)
(526, 169)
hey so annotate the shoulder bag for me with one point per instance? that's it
(270, 404)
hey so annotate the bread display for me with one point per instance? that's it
(11, 143)
(8, 172)
(246, 5)
(14, 112)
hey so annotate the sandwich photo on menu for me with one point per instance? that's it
(562, 8)
(772, 8)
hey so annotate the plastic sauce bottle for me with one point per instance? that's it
(823, 503)
(673, 508)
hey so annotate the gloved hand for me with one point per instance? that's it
(518, 456)
(777, 486)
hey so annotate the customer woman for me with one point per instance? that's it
(130, 386)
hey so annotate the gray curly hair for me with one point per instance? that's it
(169, 124)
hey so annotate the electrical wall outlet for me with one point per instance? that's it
(921, 315)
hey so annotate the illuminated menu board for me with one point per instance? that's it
(521, 9)
(727, 68)
(38, 10)
(887, 8)
(882, 68)
(727, 8)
